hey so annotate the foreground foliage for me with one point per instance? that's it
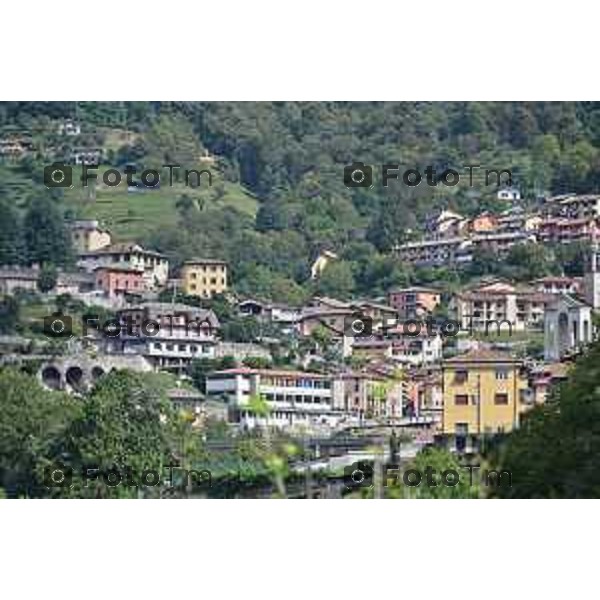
(556, 451)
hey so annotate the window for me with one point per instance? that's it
(461, 377)
(461, 400)
(461, 428)
(192, 286)
(181, 347)
(502, 374)
(157, 345)
(193, 275)
(193, 349)
(169, 346)
(501, 399)
(526, 396)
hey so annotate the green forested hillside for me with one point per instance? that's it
(279, 195)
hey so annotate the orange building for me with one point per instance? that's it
(483, 222)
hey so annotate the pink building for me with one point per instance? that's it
(117, 281)
(565, 231)
(414, 302)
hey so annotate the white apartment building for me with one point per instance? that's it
(295, 399)
(420, 350)
(459, 250)
(415, 350)
(435, 252)
(583, 206)
(500, 305)
(169, 336)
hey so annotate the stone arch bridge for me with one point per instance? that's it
(77, 374)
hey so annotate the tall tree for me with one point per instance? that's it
(126, 426)
(47, 239)
(556, 451)
(10, 233)
(31, 422)
(9, 314)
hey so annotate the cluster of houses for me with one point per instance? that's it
(419, 356)
(403, 372)
(451, 239)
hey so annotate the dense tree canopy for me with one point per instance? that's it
(556, 451)
(290, 158)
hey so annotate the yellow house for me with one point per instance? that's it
(484, 392)
(204, 277)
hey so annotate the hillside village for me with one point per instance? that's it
(439, 363)
(464, 329)
(248, 251)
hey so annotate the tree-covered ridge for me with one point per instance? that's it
(289, 159)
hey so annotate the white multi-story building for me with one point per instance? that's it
(169, 336)
(413, 348)
(435, 252)
(420, 350)
(294, 399)
(500, 307)
(459, 250)
(582, 206)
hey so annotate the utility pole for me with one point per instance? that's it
(308, 475)
(173, 297)
(378, 472)
(479, 403)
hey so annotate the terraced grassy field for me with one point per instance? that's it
(131, 214)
